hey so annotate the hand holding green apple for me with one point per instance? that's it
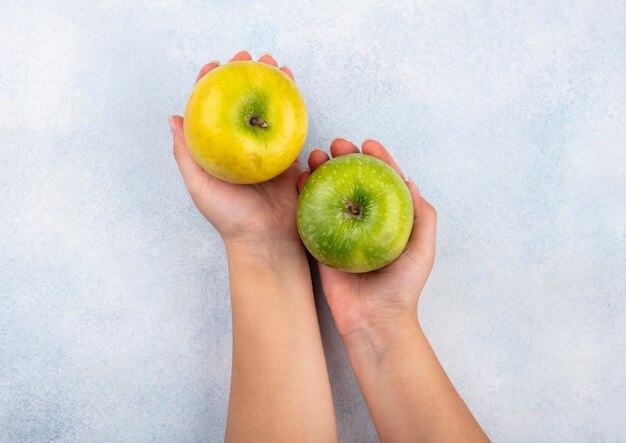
(389, 295)
(263, 212)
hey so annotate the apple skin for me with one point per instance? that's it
(218, 128)
(355, 213)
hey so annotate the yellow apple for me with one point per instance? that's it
(245, 122)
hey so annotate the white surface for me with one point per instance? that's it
(114, 315)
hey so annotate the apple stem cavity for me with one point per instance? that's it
(256, 121)
(354, 209)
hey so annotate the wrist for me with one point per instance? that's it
(277, 250)
(276, 270)
(278, 262)
(380, 338)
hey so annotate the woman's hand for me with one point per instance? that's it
(389, 296)
(242, 214)
(406, 390)
(279, 381)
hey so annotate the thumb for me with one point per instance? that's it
(421, 244)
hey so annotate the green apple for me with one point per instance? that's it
(355, 213)
(245, 122)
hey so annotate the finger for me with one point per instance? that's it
(287, 71)
(339, 147)
(302, 179)
(206, 69)
(268, 59)
(375, 149)
(192, 173)
(316, 158)
(241, 55)
(421, 244)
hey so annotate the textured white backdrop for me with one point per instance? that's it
(114, 314)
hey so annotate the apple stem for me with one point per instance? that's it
(256, 121)
(353, 208)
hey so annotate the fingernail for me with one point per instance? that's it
(173, 127)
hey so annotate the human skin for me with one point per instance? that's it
(406, 389)
(279, 383)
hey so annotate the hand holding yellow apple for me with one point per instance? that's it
(255, 214)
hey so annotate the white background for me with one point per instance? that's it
(114, 314)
